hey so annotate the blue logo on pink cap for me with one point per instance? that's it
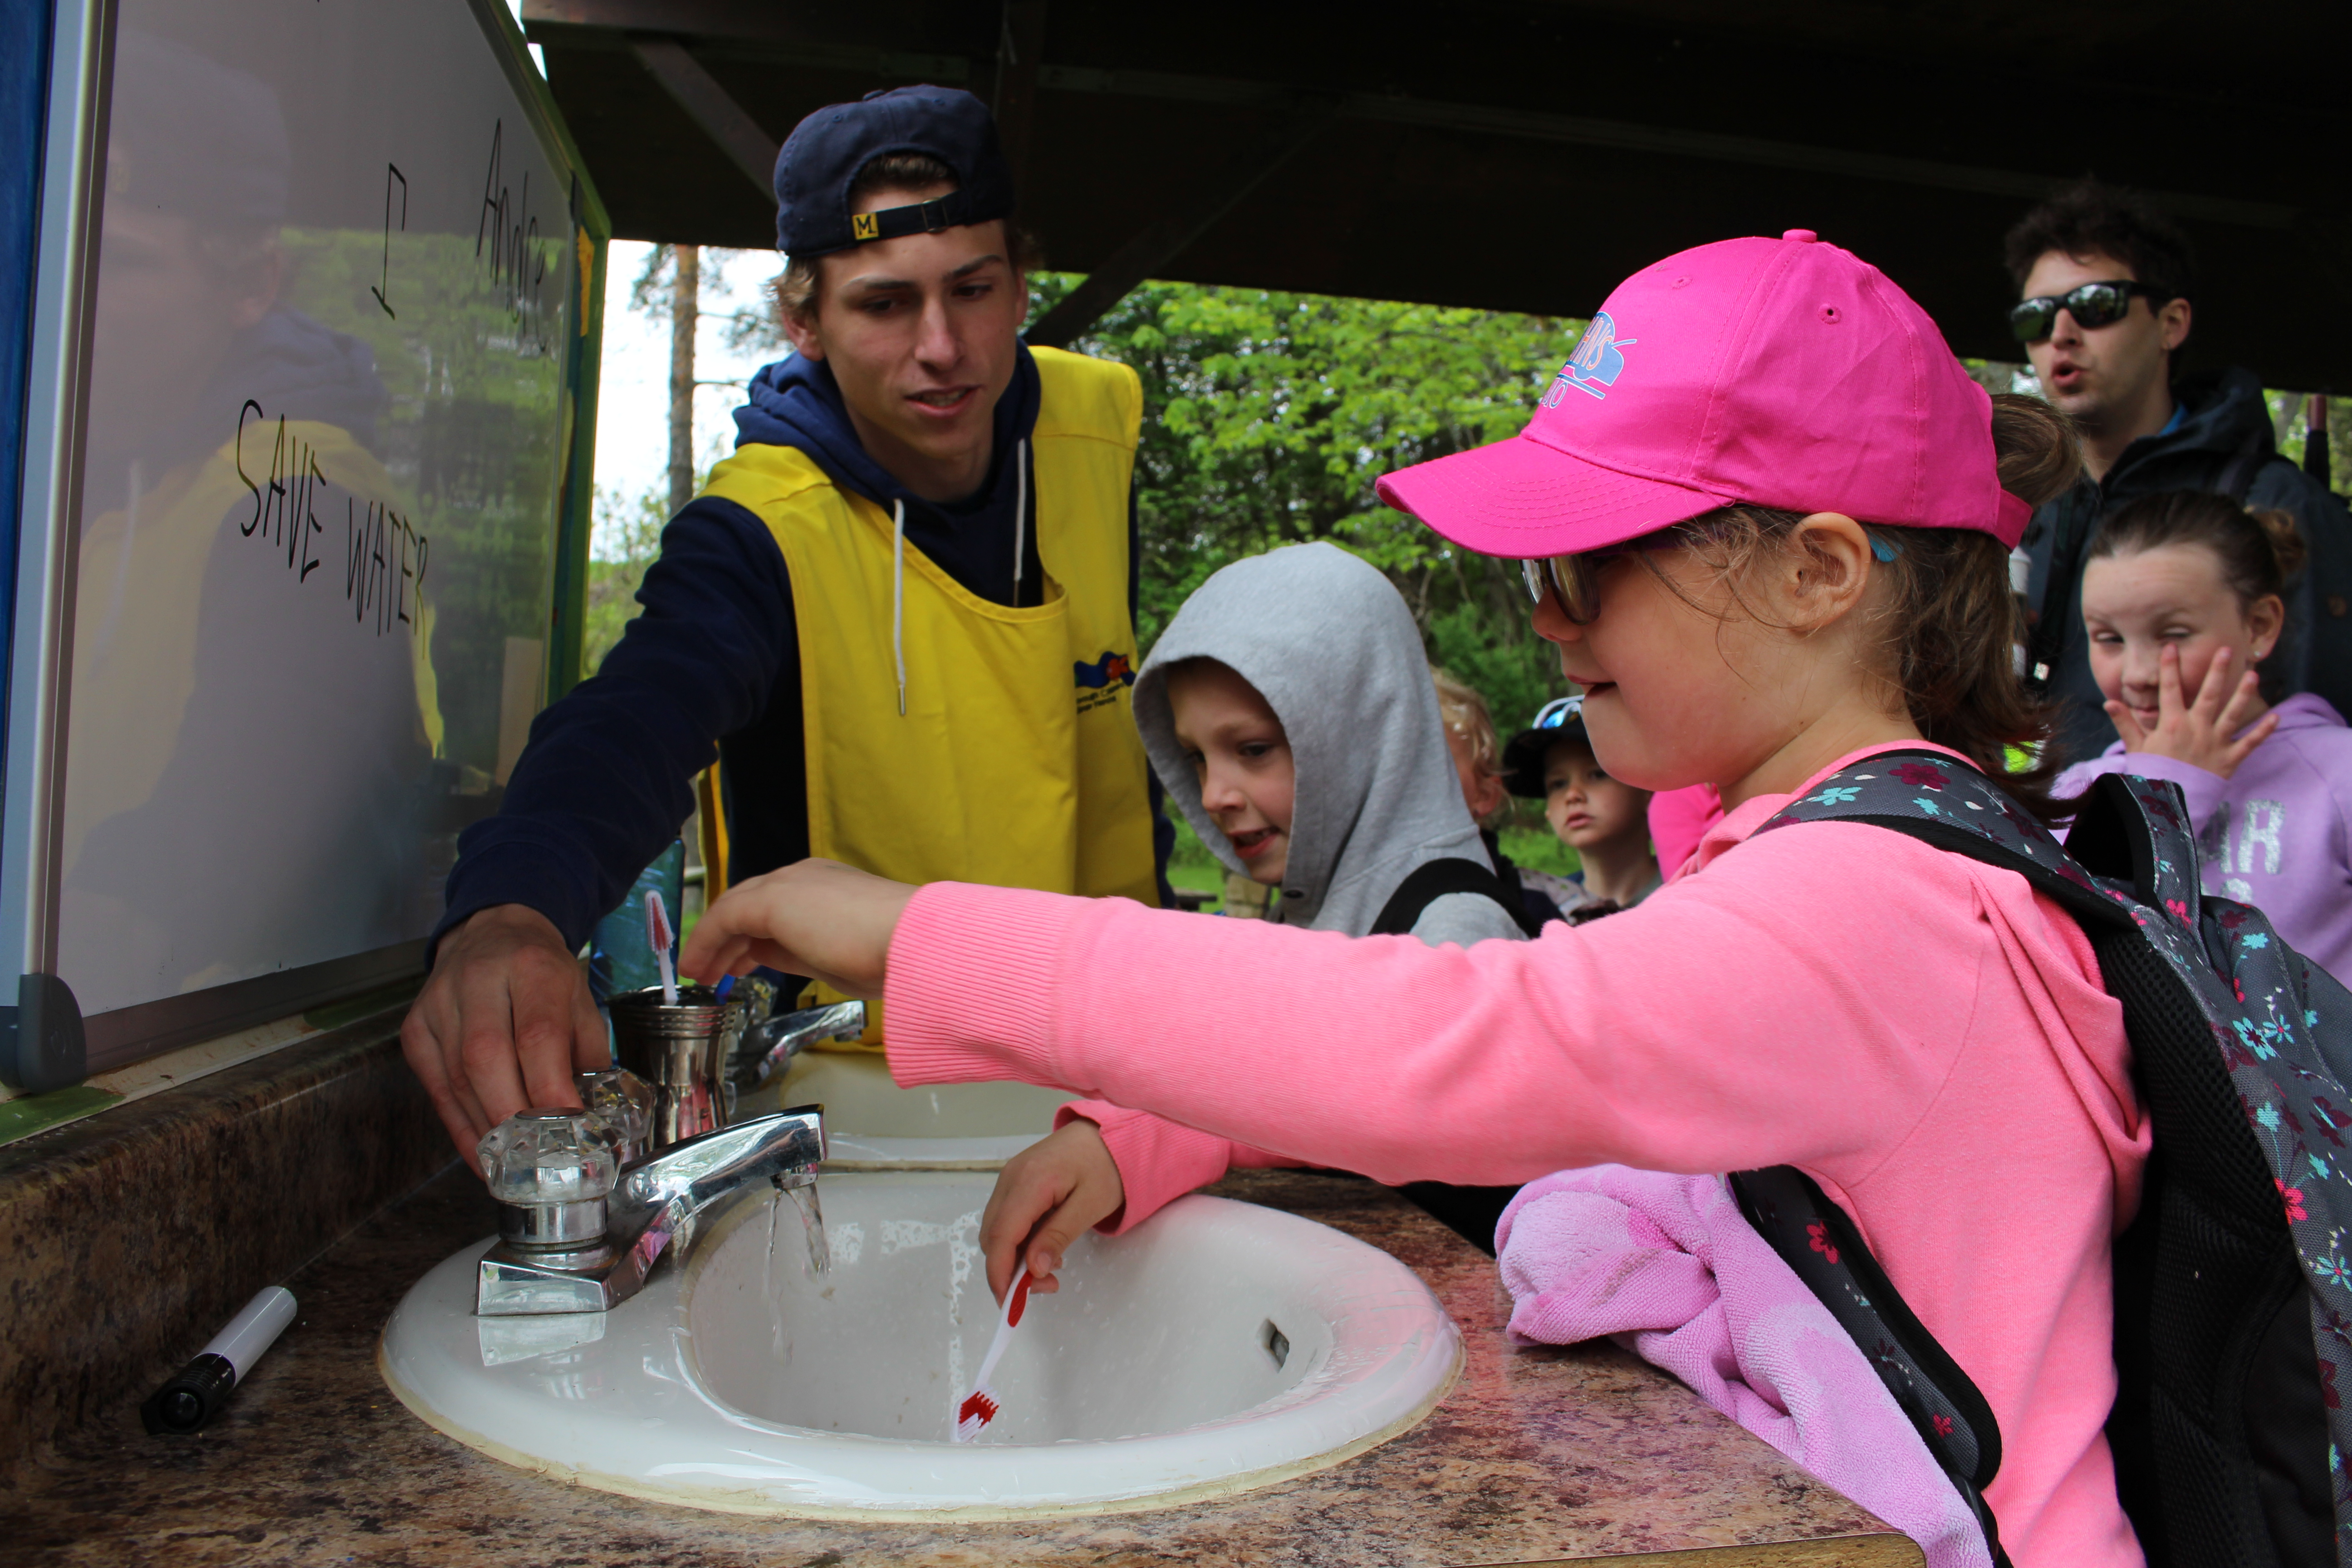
(1596, 363)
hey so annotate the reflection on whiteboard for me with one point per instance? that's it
(337, 273)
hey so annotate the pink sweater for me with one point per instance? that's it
(1923, 1035)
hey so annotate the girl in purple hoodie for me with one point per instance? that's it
(2183, 595)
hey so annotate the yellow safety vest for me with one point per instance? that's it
(1017, 763)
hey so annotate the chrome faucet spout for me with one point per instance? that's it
(769, 1046)
(652, 1212)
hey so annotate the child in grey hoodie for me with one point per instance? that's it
(2183, 596)
(1288, 712)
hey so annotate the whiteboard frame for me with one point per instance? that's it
(39, 664)
(56, 398)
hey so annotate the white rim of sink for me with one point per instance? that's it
(1400, 1347)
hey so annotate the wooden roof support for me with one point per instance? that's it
(1020, 48)
(1166, 238)
(747, 146)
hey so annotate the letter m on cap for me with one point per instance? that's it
(866, 225)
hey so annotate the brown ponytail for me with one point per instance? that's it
(1952, 623)
(2287, 543)
(2034, 448)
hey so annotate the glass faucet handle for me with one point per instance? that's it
(552, 1155)
(623, 1099)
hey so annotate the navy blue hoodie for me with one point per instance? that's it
(712, 668)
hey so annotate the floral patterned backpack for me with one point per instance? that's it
(2233, 1286)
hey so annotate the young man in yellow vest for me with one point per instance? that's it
(901, 616)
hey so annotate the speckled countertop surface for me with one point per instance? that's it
(1537, 1456)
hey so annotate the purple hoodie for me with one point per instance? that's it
(2276, 833)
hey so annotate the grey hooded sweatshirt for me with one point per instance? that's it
(1329, 645)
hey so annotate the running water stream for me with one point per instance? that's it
(819, 1249)
(812, 1215)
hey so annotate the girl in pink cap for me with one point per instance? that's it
(1767, 517)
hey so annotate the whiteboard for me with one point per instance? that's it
(334, 359)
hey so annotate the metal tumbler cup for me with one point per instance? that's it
(682, 1050)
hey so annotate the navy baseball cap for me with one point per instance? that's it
(1562, 719)
(820, 161)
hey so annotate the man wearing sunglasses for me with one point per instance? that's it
(2106, 285)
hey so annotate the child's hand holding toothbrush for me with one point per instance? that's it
(1047, 1197)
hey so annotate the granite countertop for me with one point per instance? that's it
(1536, 1455)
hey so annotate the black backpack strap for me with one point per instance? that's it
(1530, 909)
(1821, 1244)
(1937, 798)
(1471, 1212)
(2219, 1431)
(1431, 880)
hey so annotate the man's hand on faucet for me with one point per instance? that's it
(818, 917)
(502, 1024)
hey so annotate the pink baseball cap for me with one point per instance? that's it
(1782, 373)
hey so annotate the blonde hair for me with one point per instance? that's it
(1464, 713)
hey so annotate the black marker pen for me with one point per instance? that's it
(196, 1394)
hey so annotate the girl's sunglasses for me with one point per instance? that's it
(2091, 305)
(1574, 580)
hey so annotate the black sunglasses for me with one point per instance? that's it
(2091, 305)
(1574, 580)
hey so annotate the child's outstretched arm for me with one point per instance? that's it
(1803, 1000)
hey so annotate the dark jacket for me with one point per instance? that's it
(712, 668)
(2222, 440)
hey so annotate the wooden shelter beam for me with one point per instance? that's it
(1166, 238)
(696, 90)
(1019, 52)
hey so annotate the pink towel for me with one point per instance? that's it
(1669, 1265)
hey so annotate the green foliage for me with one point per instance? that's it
(1190, 863)
(1190, 854)
(1538, 848)
(627, 537)
(1267, 417)
(1515, 674)
(2290, 419)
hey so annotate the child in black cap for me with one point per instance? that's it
(1606, 822)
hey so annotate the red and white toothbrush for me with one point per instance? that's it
(980, 1406)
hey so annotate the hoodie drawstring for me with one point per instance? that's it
(1020, 513)
(898, 562)
(898, 598)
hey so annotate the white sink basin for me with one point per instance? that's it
(872, 1124)
(1220, 1346)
